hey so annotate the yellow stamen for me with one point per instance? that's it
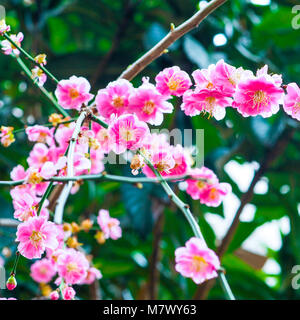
(36, 237)
(74, 93)
(173, 84)
(118, 102)
(201, 184)
(198, 263)
(149, 107)
(126, 134)
(72, 266)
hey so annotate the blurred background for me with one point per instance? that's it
(98, 40)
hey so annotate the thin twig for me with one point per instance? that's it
(170, 38)
(44, 91)
(103, 177)
(27, 55)
(156, 252)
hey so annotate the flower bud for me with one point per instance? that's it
(75, 227)
(99, 236)
(73, 243)
(54, 295)
(86, 225)
(68, 293)
(11, 283)
(45, 289)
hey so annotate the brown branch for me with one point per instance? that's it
(129, 11)
(170, 38)
(155, 257)
(54, 196)
(94, 290)
(272, 154)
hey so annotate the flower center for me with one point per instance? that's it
(149, 107)
(297, 106)
(173, 84)
(213, 194)
(102, 135)
(72, 266)
(198, 263)
(200, 184)
(210, 104)
(259, 97)
(34, 177)
(161, 166)
(209, 85)
(127, 135)
(118, 102)
(74, 93)
(43, 270)
(36, 237)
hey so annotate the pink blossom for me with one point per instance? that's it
(7, 136)
(48, 170)
(196, 261)
(38, 156)
(3, 27)
(81, 163)
(72, 266)
(291, 103)
(205, 187)
(102, 136)
(54, 295)
(162, 161)
(11, 283)
(213, 195)
(18, 173)
(148, 104)
(72, 93)
(205, 100)
(38, 75)
(97, 165)
(110, 226)
(172, 81)
(41, 134)
(42, 271)
(8, 48)
(258, 96)
(92, 275)
(155, 142)
(127, 132)
(25, 206)
(201, 177)
(64, 133)
(35, 235)
(114, 99)
(68, 293)
(226, 77)
(182, 163)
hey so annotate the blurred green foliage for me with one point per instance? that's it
(77, 36)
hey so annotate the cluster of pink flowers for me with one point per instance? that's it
(41, 239)
(70, 265)
(205, 186)
(128, 111)
(222, 85)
